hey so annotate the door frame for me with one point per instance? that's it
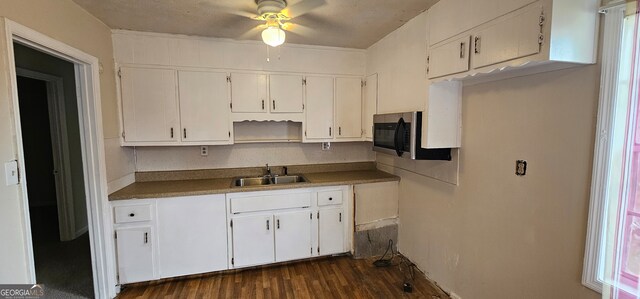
(87, 78)
(60, 149)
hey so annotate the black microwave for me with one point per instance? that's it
(400, 134)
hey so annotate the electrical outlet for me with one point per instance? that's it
(204, 151)
(326, 146)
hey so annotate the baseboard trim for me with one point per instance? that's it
(120, 183)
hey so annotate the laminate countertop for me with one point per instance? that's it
(191, 187)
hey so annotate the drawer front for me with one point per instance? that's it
(270, 202)
(135, 213)
(326, 198)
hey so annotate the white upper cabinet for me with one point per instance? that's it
(249, 93)
(449, 58)
(369, 105)
(319, 108)
(204, 106)
(349, 107)
(149, 105)
(286, 94)
(509, 34)
(515, 37)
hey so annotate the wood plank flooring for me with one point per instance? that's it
(334, 277)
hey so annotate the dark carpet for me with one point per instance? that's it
(64, 268)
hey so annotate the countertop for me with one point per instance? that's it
(190, 187)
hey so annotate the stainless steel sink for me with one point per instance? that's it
(288, 179)
(266, 180)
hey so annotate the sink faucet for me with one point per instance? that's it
(268, 170)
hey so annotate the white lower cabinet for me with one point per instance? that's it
(192, 235)
(293, 229)
(330, 231)
(177, 236)
(135, 254)
(253, 242)
(293, 235)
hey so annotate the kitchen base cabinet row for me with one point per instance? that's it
(169, 237)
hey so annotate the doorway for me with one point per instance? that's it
(54, 171)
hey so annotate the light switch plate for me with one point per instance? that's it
(11, 174)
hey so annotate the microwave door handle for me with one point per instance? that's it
(397, 138)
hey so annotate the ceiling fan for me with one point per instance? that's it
(276, 15)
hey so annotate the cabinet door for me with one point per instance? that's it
(330, 231)
(253, 241)
(448, 18)
(248, 92)
(149, 104)
(450, 58)
(286, 93)
(135, 254)
(293, 236)
(192, 235)
(349, 107)
(369, 105)
(510, 39)
(319, 113)
(204, 106)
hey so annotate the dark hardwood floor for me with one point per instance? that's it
(334, 277)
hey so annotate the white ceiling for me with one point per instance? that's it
(339, 23)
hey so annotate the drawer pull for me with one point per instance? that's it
(132, 215)
(267, 224)
(278, 223)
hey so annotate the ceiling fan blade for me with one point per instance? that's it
(302, 7)
(238, 12)
(298, 29)
(252, 33)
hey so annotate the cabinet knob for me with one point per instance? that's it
(132, 214)
(330, 198)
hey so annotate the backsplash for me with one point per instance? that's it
(249, 155)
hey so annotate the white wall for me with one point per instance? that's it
(496, 235)
(250, 155)
(67, 22)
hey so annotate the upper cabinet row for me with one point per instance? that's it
(494, 34)
(165, 106)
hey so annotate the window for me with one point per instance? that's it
(612, 259)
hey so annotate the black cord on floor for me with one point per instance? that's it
(382, 262)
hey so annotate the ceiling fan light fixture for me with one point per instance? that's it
(273, 36)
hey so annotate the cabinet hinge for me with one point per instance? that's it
(305, 133)
(540, 39)
(310, 215)
(302, 106)
(118, 277)
(318, 249)
(230, 105)
(229, 134)
(119, 73)
(231, 223)
(123, 134)
(304, 81)
(318, 217)
(115, 235)
(229, 79)
(311, 250)
(232, 261)
(362, 83)
(428, 59)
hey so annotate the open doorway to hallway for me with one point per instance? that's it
(54, 171)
